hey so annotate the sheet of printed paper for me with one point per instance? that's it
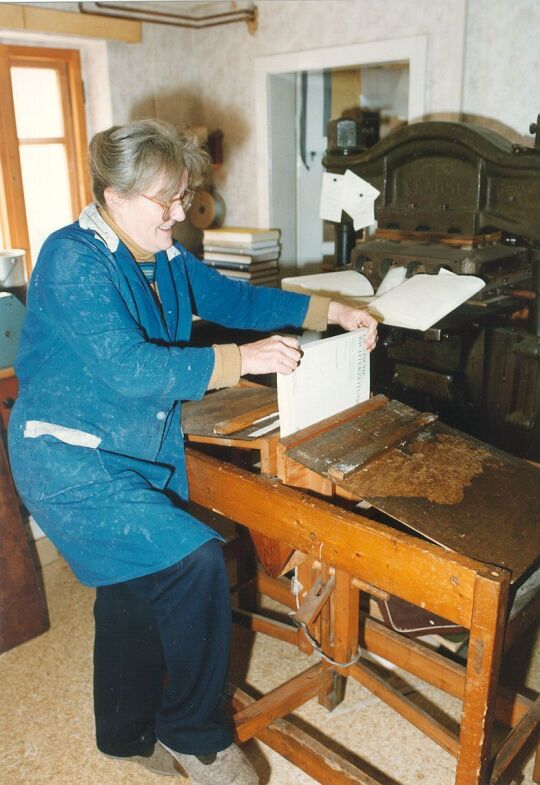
(419, 302)
(331, 197)
(395, 275)
(345, 283)
(359, 200)
(333, 375)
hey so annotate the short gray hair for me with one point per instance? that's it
(129, 158)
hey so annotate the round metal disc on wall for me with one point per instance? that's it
(207, 210)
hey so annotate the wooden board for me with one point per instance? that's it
(458, 240)
(23, 606)
(199, 418)
(453, 489)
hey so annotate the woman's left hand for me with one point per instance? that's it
(351, 319)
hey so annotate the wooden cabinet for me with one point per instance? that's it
(8, 393)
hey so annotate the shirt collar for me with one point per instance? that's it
(91, 220)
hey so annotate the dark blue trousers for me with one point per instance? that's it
(161, 659)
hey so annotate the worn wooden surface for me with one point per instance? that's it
(427, 468)
(321, 763)
(411, 655)
(278, 703)
(460, 240)
(221, 418)
(517, 747)
(239, 422)
(486, 638)
(230, 405)
(373, 448)
(449, 487)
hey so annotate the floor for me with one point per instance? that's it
(46, 722)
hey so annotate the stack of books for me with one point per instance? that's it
(244, 254)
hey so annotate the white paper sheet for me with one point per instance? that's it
(359, 200)
(395, 275)
(333, 375)
(331, 197)
(419, 302)
(345, 283)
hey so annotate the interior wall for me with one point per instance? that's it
(160, 77)
(208, 76)
(502, 66)
(216, 68)
(229, 55)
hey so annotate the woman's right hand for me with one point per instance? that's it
(279, 353)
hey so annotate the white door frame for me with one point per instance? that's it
(411, 49)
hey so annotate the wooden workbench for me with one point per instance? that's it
(340, 552)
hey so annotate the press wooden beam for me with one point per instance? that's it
(45, 20)
(297, 746)
(254, 718)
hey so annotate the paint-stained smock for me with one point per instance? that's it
(95, 439)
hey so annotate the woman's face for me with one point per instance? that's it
(142, 219)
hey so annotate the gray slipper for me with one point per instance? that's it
(159, 762)
(227, 767)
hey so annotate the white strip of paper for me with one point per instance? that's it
(331, 197)
(359, 200)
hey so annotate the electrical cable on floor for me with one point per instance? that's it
(296, 588)
(321, 654)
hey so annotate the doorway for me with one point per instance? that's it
(390, 73)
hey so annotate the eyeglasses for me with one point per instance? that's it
(185, 201)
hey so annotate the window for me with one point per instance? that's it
(44, 179)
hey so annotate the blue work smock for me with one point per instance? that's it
(95, 438)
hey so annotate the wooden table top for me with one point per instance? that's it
(449, 487)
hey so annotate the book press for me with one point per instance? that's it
(417, 509)
(462, 198)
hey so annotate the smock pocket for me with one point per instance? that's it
(45, 467)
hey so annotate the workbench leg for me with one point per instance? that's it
(334, 694)
(246, 572)
(483, 663)
(536, 770)
(345, 610)
(329, 697)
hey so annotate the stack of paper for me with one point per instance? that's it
(419, 302)
(346, 285)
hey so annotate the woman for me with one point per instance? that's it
(97, 451)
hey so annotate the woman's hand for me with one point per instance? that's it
(279, 353)
(351, 319)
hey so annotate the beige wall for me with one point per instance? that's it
(502, 65)
(208, 76)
